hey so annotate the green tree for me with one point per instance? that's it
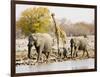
(34, 20)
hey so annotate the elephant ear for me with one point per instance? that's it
(38, 42)
(34, 37)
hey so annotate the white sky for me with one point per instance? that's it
(70, 13)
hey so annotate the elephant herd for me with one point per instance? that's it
(43, 43)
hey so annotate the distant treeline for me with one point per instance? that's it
(78, 29)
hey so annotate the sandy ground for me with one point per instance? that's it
(22, 59)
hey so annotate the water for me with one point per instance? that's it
(57, 66)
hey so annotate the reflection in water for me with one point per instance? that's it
(66, 65)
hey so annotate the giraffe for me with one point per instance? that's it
(62, 35)
(59, 33)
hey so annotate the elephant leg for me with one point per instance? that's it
(38, 58)
(47, 56)
(58, 54)
(65, 54)
(75, 54)
(29, 51)
(83, 53)
(71, 52)
(39, 54)
(87, 53)
(77, 51)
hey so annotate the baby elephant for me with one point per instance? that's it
(63, 53)
(42, 43)
(78, 44)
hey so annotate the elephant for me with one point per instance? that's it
(42, 43)
(65, 52)
(62, 53)
(78, 44)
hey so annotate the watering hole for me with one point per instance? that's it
(57, 66)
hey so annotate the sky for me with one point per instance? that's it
(72, 14)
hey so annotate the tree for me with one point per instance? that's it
(34, 20)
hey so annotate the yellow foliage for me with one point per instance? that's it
(35, 19)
